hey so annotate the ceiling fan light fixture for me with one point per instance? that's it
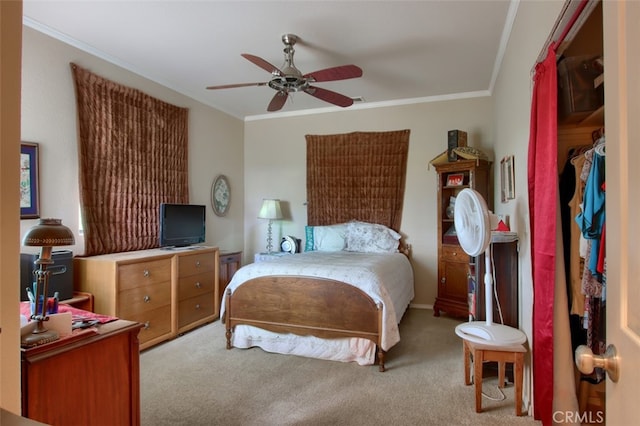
(290, 79)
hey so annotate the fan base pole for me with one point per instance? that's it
(488, 288)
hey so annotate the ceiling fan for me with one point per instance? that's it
(289, 79)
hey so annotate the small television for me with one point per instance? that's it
(182, 225)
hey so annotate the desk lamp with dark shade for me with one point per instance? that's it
(46, 234)
(270, 210)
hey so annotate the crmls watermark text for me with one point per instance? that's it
(595, 417)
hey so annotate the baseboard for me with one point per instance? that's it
(420, 306)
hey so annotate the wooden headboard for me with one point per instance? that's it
(358, 175)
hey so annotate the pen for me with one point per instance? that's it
(30, 295)
(56, 298)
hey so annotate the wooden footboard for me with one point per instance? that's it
(305, 306)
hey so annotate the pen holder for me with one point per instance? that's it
(52, 306)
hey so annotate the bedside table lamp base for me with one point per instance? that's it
(270, 210)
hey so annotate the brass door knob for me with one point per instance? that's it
(586, 361)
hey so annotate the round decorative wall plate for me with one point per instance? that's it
(220, 195)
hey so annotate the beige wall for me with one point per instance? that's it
(512, 97)
(10, 29)
(512, 106)
(275, 166)
(49, 118)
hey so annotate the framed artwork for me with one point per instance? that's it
(220, 195)
(507, 179)
(455, 179)
(29, 190)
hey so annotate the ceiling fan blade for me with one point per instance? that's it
(231, 86)
(329, 96)
(262, 63)
(336, 73)
(277, 102)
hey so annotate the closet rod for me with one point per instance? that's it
(572, 12)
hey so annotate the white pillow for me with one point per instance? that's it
(326, 238)
(371, 238)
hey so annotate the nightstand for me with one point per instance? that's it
(230, 262)
(264, 257)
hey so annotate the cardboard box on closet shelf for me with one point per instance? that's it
(580, 88)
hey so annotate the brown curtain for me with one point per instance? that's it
(133, 156)
(358, 175)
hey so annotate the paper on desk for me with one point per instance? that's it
(61, 323)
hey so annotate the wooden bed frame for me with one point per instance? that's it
(304, 305)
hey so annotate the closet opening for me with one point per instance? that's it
(581, 160)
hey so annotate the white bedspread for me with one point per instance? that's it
(385, 277)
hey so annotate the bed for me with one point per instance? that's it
(335, 301)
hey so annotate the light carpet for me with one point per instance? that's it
(194, 380)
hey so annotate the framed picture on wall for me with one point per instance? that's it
(29, 190)
(507, 179)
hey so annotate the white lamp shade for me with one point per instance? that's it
(270, 210)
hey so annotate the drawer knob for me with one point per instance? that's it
(198, 306)
(197, 263)
(454, 253)
(146, 299)
(198, 285)
(146, 273)
(443, 280)
(147, 325)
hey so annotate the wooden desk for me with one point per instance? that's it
(80, 300)
(93, 379)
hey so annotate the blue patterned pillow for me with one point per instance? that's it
(308, 232)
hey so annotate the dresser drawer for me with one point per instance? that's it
(143, 273)
(196, 264)
(156, 323)
(195, 308)
(454, 254)
(143, 299)
(195, 285)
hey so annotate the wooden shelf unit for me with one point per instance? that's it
(453, 262)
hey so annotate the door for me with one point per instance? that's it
(622, 126)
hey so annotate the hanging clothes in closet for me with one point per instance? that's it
(592, 223)
(571, 189)
(584, 283)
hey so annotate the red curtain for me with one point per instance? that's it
(543, 186)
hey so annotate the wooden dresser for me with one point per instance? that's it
(91, 379)
(169, 291)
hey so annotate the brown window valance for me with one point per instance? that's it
(358, 175)
(132, 150)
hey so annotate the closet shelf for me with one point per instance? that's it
(596, 118)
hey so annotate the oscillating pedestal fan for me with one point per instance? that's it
(472, 220)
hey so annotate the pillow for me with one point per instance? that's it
(371, 238)
(326, 238)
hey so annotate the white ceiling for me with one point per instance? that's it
(409, 51)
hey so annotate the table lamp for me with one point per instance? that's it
(270, 210)
(46, 234)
